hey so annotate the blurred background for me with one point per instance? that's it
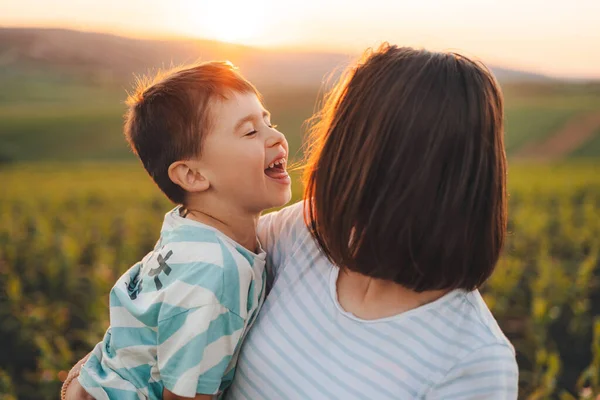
(77, 209)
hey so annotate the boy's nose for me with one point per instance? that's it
(276, 138)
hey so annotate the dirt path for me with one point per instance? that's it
(570, 137)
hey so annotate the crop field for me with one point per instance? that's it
(67, 233)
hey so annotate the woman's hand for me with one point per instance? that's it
(76, 392)
(73, 389)
(168, 395)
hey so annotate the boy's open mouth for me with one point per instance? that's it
(276, 169)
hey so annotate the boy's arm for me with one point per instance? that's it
(195, 348)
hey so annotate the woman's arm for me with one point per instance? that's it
(75, 391)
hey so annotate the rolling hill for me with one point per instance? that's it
(62, 91)
(111, 58)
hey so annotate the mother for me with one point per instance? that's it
(374, 276)
(406, 216)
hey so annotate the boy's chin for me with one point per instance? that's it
(280, 199)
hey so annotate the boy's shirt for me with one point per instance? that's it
(178, 317)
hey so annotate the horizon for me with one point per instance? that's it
(552, 39)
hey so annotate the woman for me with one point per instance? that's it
(374, 276)
(406, 204)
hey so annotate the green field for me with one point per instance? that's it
(76, 210)
(45, 117)
(591, 150)
(68, 231)
(533, 112)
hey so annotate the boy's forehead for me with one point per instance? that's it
(227, 114)
(237, 104)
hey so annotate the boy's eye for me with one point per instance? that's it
(269, 123)
(251, 133)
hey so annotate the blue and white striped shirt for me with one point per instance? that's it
(177, 318)
(305, 346)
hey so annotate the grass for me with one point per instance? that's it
(63, 133)
(533, 114)
(60, 182)
(590, 149)
(68, 230)
(85, 123)
(48, 117)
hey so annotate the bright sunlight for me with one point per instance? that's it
(234, 22)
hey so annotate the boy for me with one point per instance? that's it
(178, 317)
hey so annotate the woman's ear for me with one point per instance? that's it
(188, 176)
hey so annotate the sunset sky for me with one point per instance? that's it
(554, 37)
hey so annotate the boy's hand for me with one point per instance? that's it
(167, 395)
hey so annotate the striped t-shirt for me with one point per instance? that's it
(177, 318)
(305, 346)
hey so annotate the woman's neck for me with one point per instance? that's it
(239, 226)
(369, 298)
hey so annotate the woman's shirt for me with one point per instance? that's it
(305, 346)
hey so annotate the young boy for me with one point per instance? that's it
(178, 317)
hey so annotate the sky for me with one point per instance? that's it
(558, 38)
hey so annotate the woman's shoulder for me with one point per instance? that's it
(483, 359)
(462, 322)
(483, 319)
(283, 225)
(289, 215)
(282, 233)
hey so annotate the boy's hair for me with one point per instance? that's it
(169, 115)
(406, 176)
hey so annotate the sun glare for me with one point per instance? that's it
(230, 21)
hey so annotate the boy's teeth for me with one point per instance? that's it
(278, 162)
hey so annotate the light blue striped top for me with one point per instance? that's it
(177, 318)
(305, 346)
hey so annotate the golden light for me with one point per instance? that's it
(243, 22)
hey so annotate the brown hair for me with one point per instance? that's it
(406, 173)
(170, 114)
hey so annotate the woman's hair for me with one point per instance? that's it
(406, 170)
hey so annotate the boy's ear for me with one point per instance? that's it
(187, 175)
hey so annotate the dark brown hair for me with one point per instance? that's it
(170, 114)
(406, 173)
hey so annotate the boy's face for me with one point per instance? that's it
(238, 152)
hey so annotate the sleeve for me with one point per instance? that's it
(278, 232)
(489, 373)
(195, 347)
